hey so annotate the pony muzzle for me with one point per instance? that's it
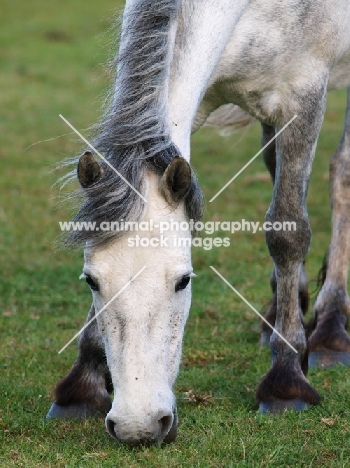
(155, 428)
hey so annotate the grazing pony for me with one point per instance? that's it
(178, 61)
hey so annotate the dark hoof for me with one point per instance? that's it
(278, 406)
(328, 358)
(265, 338)
(78, 411)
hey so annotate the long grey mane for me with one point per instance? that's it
(133, 133)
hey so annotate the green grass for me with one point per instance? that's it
(51, 62)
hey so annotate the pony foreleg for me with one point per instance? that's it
(269, 155)
(84, 392)
(270, 315)
(285, 385)
(329, 342)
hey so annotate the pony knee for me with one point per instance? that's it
(287, 244)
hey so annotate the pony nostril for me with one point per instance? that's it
(165, 424)
(111, 428)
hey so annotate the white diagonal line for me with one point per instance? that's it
(103, 308)
(102, 157)
(253, 158)
(253, 309)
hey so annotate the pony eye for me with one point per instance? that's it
(93, 285)
(182, 283)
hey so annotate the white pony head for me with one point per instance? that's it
(142, 328)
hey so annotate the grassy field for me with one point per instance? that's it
(51, 62)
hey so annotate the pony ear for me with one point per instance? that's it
(176, 180)
(89, 170)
